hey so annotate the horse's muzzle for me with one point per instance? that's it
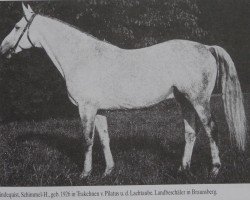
(6, 54)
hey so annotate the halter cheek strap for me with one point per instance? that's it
(24, 30)
(28, 36)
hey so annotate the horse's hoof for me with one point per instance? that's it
(85, 175)
(215, 171)
(183, 169)
(186, 173)
(108, 171)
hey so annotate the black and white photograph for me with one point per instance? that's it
(124, 92)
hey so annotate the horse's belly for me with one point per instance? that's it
(132, 95)
(138, 102)
(135, 103)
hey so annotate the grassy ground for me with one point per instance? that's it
(147, 147)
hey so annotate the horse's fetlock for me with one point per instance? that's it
(217, 165)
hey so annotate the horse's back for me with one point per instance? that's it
(173, 59)
(143, 77)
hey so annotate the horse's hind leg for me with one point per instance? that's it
(190, 137)
(202, 108)
(204, 112)
(102, 129)
(189, 116)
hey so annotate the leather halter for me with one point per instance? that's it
(13, 49)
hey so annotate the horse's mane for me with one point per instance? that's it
(77, 28)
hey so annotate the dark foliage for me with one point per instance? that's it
(31, 87)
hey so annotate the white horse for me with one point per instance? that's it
(101, 76)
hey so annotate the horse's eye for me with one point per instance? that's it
(17, 27)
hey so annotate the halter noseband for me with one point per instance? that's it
(12, 50)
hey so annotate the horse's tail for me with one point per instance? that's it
(232, 96)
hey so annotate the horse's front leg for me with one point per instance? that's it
(87, 113)
(102, 128)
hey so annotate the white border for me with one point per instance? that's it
(223, 191)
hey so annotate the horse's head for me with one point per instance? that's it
(19, 38)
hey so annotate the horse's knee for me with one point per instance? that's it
(190, 134)
(102, 129)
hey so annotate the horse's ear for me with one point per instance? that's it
(27, 11)
(24, 7)
(30, 9)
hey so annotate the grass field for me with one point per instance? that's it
(147, 146)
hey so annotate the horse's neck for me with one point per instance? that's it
(66, 46)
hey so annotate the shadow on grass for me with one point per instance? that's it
(167, 156)
(71, 147)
